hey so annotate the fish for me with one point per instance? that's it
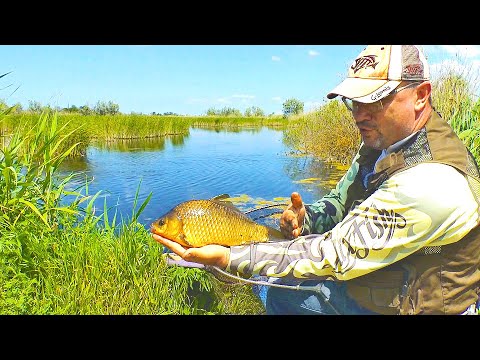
(195, 223)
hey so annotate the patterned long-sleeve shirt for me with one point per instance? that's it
(429, 204)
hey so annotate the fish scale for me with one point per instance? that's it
(197, 223)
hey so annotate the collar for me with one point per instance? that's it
(394, 147)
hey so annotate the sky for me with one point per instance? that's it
(187, 79)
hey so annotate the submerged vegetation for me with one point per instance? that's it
(66, 259)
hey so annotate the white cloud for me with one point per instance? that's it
(196, 101)
(313, 53)
(275, 58)
(223, 101)
(277, 98)
(242, 96)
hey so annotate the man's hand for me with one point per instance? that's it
(215, 255)
(292, 218)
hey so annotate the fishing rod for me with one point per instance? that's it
(316, 288)
(220, 275)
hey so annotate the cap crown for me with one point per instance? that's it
(390, 62)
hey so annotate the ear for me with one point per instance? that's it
(424, 90)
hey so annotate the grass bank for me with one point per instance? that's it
(58, 259)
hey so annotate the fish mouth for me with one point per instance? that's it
(154, 230)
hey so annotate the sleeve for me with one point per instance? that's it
(427, 205)
(327, 212)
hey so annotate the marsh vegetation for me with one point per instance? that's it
(66, 259)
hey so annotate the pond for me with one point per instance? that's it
(253, 166)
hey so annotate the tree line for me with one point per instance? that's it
(291, 107)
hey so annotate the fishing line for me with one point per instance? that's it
(316, 288)
(265, 207)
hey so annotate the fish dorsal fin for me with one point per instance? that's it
(220, 197)
(222, 200)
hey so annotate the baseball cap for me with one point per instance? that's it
(379, 69)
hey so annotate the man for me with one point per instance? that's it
(400, 232)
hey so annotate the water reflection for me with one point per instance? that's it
(229, 128)
(251, 164)
(143, 144)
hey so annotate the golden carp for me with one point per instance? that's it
(196, 223)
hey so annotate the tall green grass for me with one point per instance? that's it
(105, 129)
(67, 259)
(455, 97)
(232, 122)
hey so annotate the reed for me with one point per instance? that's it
(328, 133)
(72, 259)
(455, 98)
(233, 122)
(105, 129)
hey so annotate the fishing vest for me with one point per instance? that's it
(436, 279)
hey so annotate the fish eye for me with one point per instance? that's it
(161, 221)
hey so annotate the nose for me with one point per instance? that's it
(361, 114)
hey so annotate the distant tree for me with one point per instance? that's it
(228, 111)
(34, 106)
(292, 107)
(212, 111)
(254, 111)
(104, 108)
(71, 109)
(85, 110)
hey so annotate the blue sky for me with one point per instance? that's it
(186, 79)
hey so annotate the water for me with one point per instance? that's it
(253, 165)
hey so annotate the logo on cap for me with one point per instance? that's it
(364, 62)
(415, 69)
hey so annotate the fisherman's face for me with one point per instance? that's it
(383, 124)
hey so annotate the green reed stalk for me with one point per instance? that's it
(71, 260)
(455, 97)
(329, 133)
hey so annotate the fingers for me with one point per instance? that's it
(288, 221)
(296, 232)
(172, 245)
(292, 218)
(297, 201)
(216, 255)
